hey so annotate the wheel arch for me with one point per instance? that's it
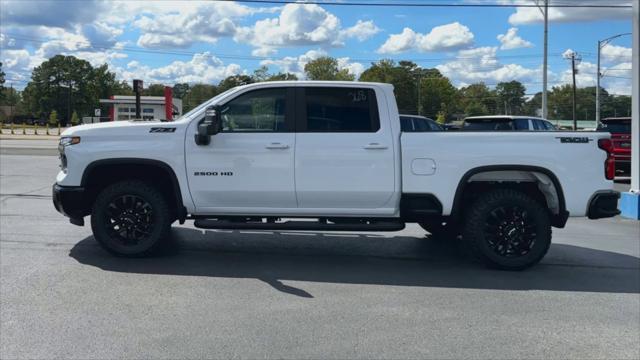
(558, 218)
(107, 171)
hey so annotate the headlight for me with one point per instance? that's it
(64, 142)
(70, 140)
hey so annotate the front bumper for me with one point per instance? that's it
(71, 202)
(603, 204)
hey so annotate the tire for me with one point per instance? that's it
(508, 230)
(130, 218)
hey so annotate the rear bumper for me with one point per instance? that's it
(603, 204)
(70, 201)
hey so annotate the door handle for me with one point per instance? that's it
(277, 145)
(375, 146)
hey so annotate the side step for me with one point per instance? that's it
(300, 225)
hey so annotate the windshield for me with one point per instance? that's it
(487, 125)
(206, 103)
(616, 127)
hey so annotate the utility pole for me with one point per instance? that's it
(575, 59)
(573, 73)
(545, 13)
(11, 104)
(602, 44)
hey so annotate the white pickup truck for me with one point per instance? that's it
(329, 156)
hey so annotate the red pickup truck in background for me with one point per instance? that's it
(620, 130)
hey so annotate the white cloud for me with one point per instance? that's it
(441, 38)
(202, 68)
(50, 13)
(531, 15)
(480, 64)
(301, 25)
(204, 23)
(614, 53)
(362, 30)
(511, 40)
(295, 65)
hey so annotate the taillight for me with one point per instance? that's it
(610, 163)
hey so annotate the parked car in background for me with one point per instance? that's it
(416, 123)
(506, 123)
(620, 130)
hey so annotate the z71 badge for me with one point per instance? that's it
(162, 130)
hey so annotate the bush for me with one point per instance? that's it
(75, 120)
(53, 118)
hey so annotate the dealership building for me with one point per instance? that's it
(123, 107)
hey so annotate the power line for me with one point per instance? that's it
(430, 4)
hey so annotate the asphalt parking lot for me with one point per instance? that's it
(231, 294)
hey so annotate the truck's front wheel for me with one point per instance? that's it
(507, 229)
(130, 218)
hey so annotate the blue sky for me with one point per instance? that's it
(190, 41)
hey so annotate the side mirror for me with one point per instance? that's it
(209, 126)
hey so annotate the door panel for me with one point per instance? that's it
(250, 164)
(344, 159)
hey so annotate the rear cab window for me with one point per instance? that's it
(338, 109)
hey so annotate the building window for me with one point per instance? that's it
(123, 110)
(147, 111)
(123, 117)
(132, 110)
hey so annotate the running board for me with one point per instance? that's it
(299, 225)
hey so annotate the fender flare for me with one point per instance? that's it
(181, 210)
(558, 220)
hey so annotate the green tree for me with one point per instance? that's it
(154, 90)
(62, 83)
(477, 99)
(326, 68)
(282, 77)
(53, 118)
(437, 94)
(233, 81)
(198, 94)
(180, 90)
(262, 74)
(511, 97)
(75, 120)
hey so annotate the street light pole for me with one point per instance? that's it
(602, 44)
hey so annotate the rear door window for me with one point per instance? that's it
(522, 124)
(338, 109)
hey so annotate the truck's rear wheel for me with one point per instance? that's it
(130, 218)
(507, 229)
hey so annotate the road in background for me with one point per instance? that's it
(258, 294)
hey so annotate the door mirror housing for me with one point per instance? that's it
(209, 126)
